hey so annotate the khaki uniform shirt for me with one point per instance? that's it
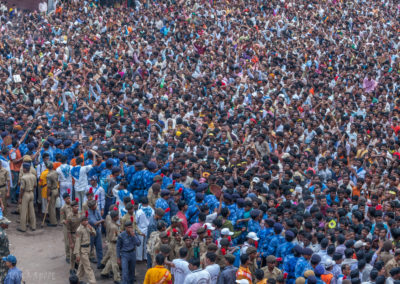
(85, 207)
(52, 181)
(28, 182)
(4, 177)
(73, 222)
(127, 217)
(82, 241)
(386, 256)
(271, 274)
(175, 247)
(391, 264)
(152, 197)
(113, 230)
(21, 174)
(65, 211)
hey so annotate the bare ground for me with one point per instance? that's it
(41, 256)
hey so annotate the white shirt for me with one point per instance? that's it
(198, 277)
(101, 196)
(213, 269)
(180, 271)
(143, 220)
(244, 248)
(82, 182)
(64, 174)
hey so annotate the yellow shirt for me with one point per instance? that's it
(43, 182)
(158, 275)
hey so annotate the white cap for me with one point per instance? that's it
(243, 281)
(329, 263)
(209, 226)
(225, 231)
(252, 236)
(256, 180)
(359, 244)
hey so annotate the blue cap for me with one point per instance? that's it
(298, 249)
(10, 258)
(278, 227)
(165, 192)
(107, 153)
(139, 166)
(227, 196)
(20, 133)
(176, 175)
(51, 140)
(26, 166)
(199, 196)
(289, 234)
(4, 134)
(67, 142)
(312, 280)
(93, 178)
(235, 195)
(315, 258)
(46, 144)
(270, 222)
(194, 183)
(307, 251)
(202, 187)
(255, 213)
(109, 162)
(57, 142)
(121, 156)
(151, 166)
(115, 170)
(319, 269)
(131, 159)
(30, 146)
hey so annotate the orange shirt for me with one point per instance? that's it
(15, 154)
(73, 161)
(244, 273)
(56, 165)
(356, 191)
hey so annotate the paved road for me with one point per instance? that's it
(40, 255)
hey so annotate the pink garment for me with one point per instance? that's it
(194, 229)
(369, 85)
(184, 221)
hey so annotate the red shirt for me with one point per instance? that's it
(184, 221)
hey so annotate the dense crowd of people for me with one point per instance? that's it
(218, 141)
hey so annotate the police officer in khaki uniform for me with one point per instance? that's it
(64, 212)
(128, 217)
(271, 271)
(164, 239)
(28, 185)
(82, 250)
(52, 193)
(112, 236)
(72, 223)
(199, 244)
(4, 187)
(252, 253)
(26, 159)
